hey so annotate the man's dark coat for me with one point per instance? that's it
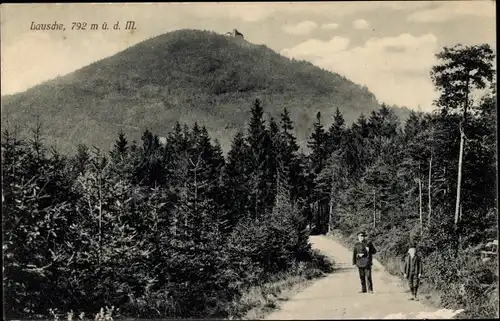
(415, 268)
(364, 261)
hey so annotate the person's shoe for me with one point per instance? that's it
(371, 291)
(362, 291)
(416, 299)
(411, 299)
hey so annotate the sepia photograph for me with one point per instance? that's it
(249, 160)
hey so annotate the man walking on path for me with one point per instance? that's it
(413, 271)
(362, 258)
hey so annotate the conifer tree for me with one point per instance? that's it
(289, 162)
(175, 156)
(81, 159)
(120, 147)
(335, 132)
(361, 127)
(287, 130)
(382, 123)
(274, 145)
(120, 157)
(236, 181)
(147, 139)
(258, 141)
(317, 144)
(149, 167)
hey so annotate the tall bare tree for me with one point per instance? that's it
(461, 71)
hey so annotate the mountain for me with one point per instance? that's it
(186, 76)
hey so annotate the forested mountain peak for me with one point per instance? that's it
(183, 75)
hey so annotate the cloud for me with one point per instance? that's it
(317, 49)
(330, 26)
(395, 69)
(360, 24)
(302, 28)
(455, 10)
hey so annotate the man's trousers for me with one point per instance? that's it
(365, 276)
(413, 283)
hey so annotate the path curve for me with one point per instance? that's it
(336, 296)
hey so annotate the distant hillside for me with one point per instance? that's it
(185, 75)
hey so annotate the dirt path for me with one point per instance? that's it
(336, 296)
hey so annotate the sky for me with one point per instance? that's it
(389, 46)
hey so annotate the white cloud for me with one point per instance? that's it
(395, 69)
(330, 26)
(317, 49)
(302, 28)
(360, 24)
(455, 10)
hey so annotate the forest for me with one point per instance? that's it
(176, 228)
(185, 76)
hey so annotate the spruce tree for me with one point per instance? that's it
(273, 146)
(81, 159)
(120, 147)
(147, 139)
(317, 144)
(335, 132)
(288, 157)
(361, 127)
(382, 123)
(287, 131)
(257, 135)
(174, 156)
(236, 181)
(258, 141)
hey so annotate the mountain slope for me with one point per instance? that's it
(185, 75)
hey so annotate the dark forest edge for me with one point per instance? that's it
(174, 228)
(156, 230)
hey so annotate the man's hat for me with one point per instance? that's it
(362, 233)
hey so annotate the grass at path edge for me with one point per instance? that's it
(259, 301)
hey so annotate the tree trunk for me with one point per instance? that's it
(446, 183)
(420, 203)
(374, 210)
(429, 212)
(461, 153)
(459, 179)
(330, 212)
(174, 225)
(185, 225)
(256, 206)
(100, 215)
